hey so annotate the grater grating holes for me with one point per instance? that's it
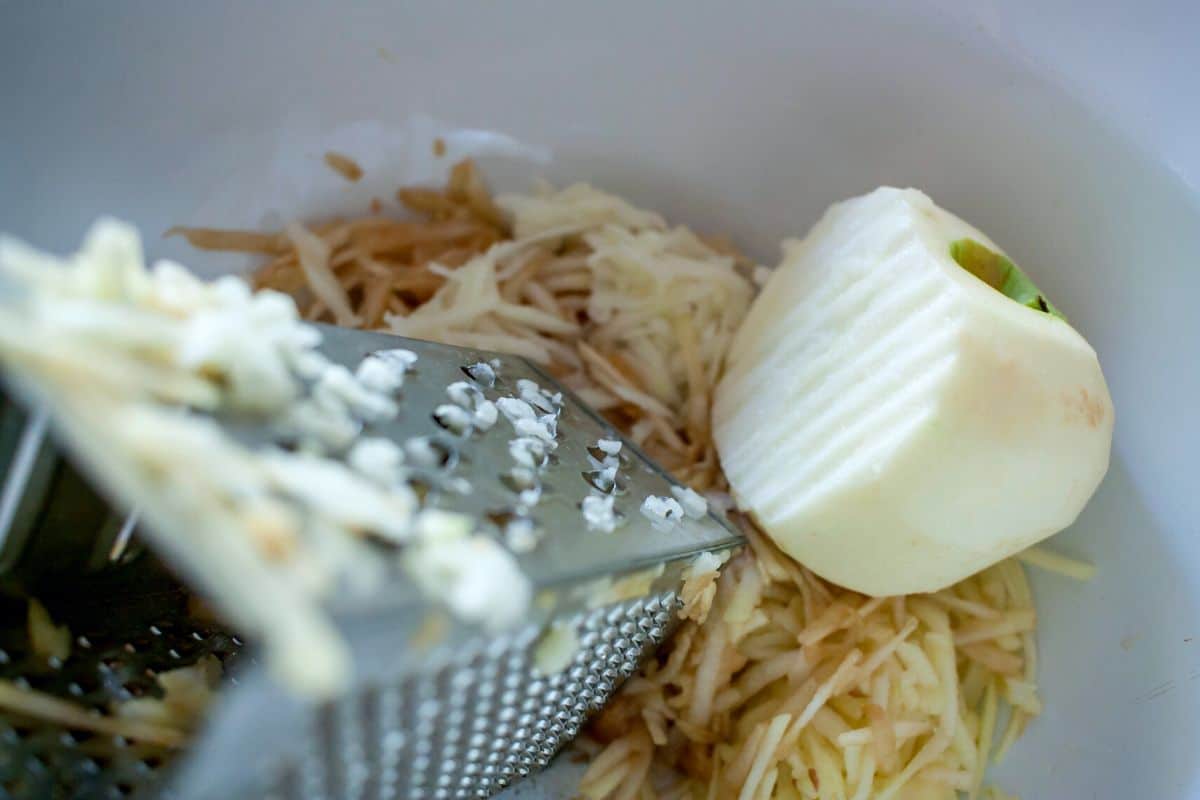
(485, 717)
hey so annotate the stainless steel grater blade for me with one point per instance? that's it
(437, 709)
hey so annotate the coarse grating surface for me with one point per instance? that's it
(476, 721)
(114, 657)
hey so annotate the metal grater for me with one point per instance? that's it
(438, 709)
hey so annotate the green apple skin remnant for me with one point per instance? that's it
(1001, 274)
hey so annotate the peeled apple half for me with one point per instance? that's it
(902, 407)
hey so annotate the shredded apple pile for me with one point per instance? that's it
(778, 684)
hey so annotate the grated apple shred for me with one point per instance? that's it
(778, 684)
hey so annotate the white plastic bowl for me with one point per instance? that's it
(1067, 131)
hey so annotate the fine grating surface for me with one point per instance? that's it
(476, 722)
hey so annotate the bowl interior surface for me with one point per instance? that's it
(744, 122)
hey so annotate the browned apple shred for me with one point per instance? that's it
(344, 165)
